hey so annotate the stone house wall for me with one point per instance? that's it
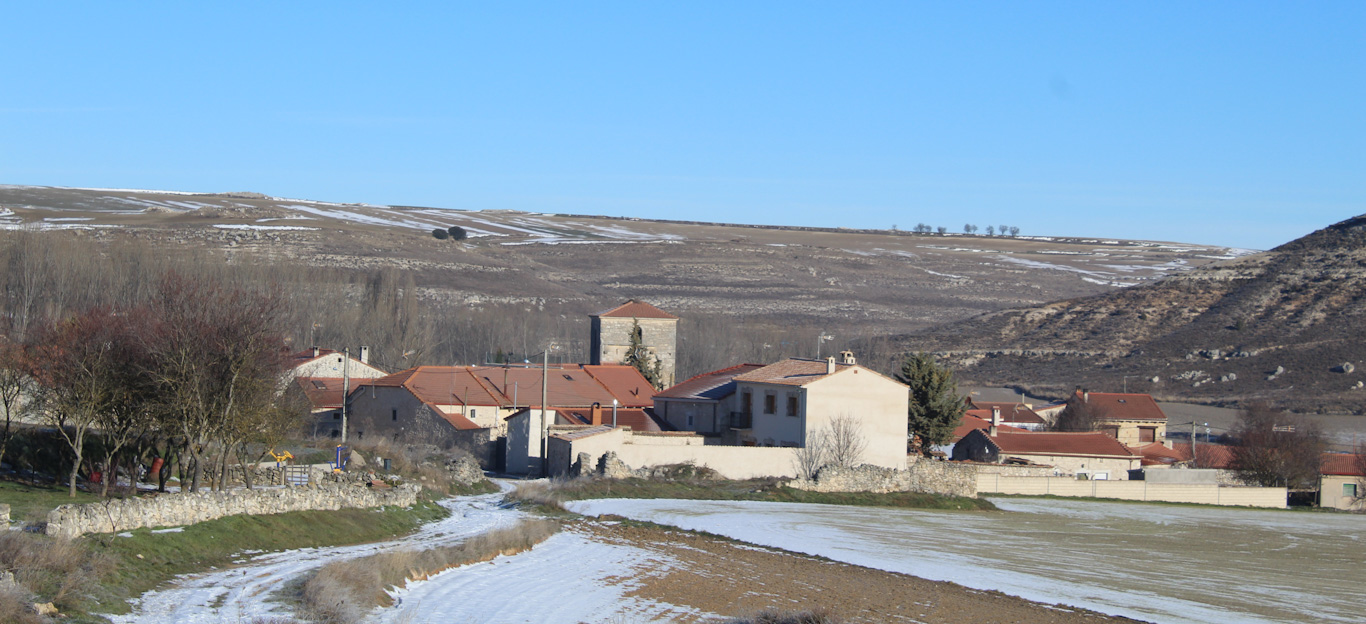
(611, 336)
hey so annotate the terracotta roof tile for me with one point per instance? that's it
(1117, 406)
(570, 385)
(792, 372)
(1055, 443)
(636, 309)
(1211, 455)
(322, 392)
(1010, 412)
(712, 386)
(1344, 464)
(972, 421)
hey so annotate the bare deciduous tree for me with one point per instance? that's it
(1079, 415)
(14, 383)
(76, 364)
(1274, 448)
(810, 457)
(845, 441)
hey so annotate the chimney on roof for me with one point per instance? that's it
(830, 365)
(995, 420)
(365, 355)
(1085, 396)
(848, 357)
(315, 351)
(595, 414)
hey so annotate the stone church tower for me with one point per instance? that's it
(611, 335)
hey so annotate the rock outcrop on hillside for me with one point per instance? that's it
(1282, 326)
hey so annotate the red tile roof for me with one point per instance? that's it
(1211, 455)
(1016, 413)
(715, 385)
(973, 421)
(636, 309)
(1158, 454)
(322, 392)
(1344, 464)
(625, 383)
(1056, 443)
(456, 419)
(1117, 406)
(569, 385)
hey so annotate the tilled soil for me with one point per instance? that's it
(716, 575)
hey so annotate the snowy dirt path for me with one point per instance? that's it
(239, 594)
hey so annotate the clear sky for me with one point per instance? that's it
(1239, 123)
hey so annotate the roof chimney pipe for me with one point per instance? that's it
(848, 357)
(364, 355)
(315, 351)
(830, 365)
(1085, 396)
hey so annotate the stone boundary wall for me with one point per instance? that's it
(189, 508)
(926, 476)
(1207, 494)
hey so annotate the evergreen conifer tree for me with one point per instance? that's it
(935, 408)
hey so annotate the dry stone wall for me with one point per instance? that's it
(927, 476)
(189, 508)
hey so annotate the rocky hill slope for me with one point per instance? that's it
(844, 282)
(1283, 326)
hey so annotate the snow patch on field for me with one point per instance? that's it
(1149, 562)
(573, 579)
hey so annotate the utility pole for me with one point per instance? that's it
(545, 427)
(346, 387)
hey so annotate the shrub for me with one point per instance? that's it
(772, 616)
(14, 606)
(539, 493)
(56, 570)
(456, 232)
(441, 234)
(346, 591)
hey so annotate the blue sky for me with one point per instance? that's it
(1235, 123)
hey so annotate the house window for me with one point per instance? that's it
(770, 403)
(690, 420)
(791, 405)
(1349, 490)
(394, 414)
(1110, 431)
(473, 414)
(747, 403)
(336, 415)
(1147, 434)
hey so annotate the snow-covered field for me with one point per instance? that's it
(1150, 562)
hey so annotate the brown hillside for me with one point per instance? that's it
(1217, 334)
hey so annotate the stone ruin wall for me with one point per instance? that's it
(186, 508)
(921, 475)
